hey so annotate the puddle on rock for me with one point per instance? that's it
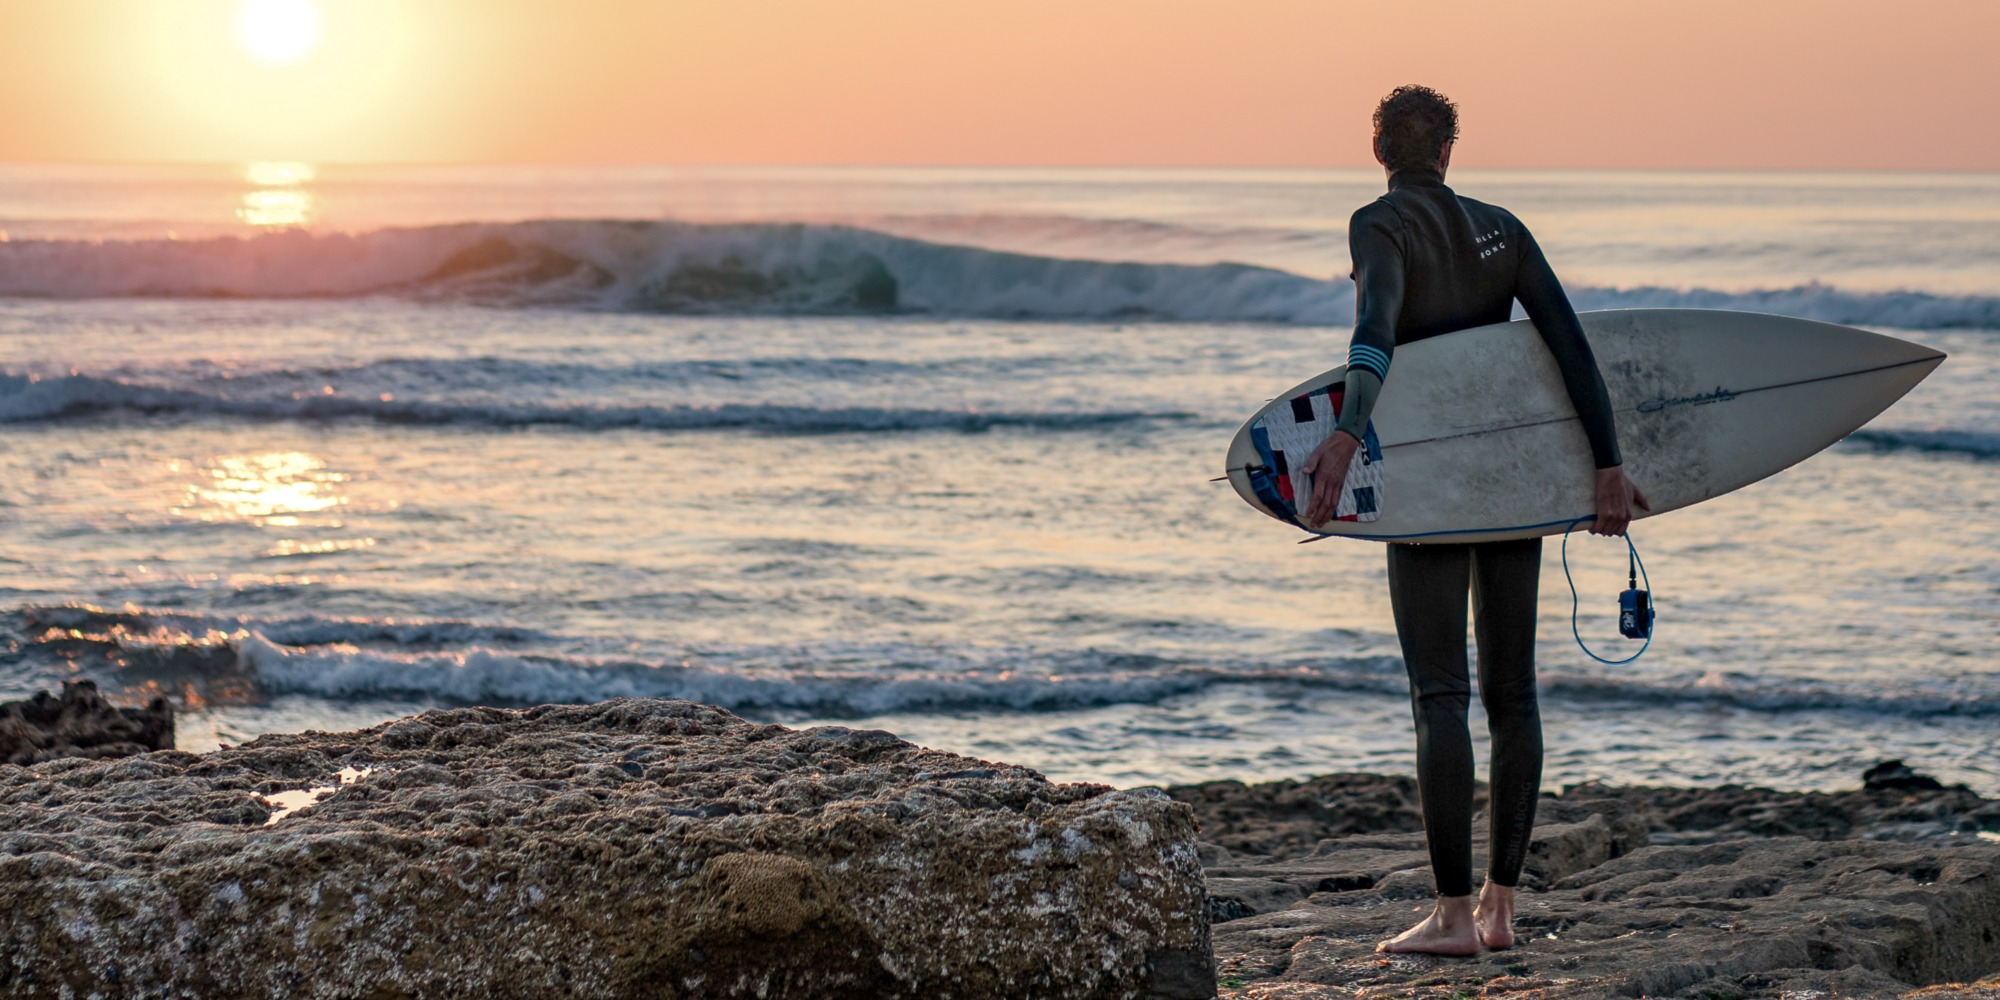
(285, 803)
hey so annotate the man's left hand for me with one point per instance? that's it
(1618, 502)
(1328, 469)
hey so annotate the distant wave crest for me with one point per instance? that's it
(794, 268)
(1946, 441)
(28, 398)
(1826, 303)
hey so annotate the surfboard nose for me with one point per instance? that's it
(1920, 360)
(1920, 352)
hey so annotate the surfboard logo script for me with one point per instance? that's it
(1720, 395)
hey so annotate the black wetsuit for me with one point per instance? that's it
(1428, 262)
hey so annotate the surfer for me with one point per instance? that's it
(1428, 262)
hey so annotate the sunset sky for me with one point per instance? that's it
(1834, 84)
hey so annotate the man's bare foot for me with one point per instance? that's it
(1448, 930)
(1494, 916)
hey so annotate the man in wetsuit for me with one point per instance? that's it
(1427, 263)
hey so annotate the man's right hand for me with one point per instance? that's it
(1618, 501)
(1328, 468)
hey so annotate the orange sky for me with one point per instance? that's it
(1563, 83)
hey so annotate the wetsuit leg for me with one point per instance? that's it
(1427, 590)
(1504, 581)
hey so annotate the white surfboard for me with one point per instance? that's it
(1474, 439)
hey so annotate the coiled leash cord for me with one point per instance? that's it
(1635, 607)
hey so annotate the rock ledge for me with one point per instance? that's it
(1725, 893)
(626, 849)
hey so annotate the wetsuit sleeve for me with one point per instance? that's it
(1378, 302)
(1542, 296)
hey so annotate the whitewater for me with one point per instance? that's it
(928, 450)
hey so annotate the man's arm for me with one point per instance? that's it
(1378, 301)
(1542, 296)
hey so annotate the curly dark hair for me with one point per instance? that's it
(1412, 125)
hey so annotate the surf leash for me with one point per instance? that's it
(1635, 606)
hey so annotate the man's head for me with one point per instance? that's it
(1412, 127)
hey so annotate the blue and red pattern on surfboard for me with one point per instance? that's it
(1303, 424)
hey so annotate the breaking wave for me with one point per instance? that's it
(666, 267)
(794, 268)
(483, 676)
(486, 676)
(342, 659)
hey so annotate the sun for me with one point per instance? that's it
(278, 31)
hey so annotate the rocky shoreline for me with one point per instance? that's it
(1712, 893)
(80, 723)
(651, 848)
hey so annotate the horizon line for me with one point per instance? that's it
(1108, 167)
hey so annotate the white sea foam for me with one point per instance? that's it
(488, 676)
(794, 268)
(485, 676)
(178, 626)
(462, 662)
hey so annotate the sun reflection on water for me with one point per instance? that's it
(279, 198)
(271, 488)
(279, 173)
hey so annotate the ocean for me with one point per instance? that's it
(927, 450)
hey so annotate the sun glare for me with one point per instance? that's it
(278, 31)
(285, 80)
(278, 199)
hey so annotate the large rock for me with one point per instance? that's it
(628, 849)
(80, 723)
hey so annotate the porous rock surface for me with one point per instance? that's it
(1726, 892)
(634, 848)
(80, 723)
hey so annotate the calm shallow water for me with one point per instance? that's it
(989, 534)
